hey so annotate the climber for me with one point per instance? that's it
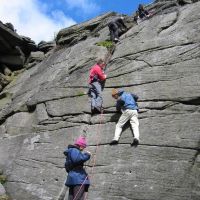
(77, 179)
(127, 103)
(136, 17)
(184, 2)
(142, 12)
(115, 26)
(96, 84)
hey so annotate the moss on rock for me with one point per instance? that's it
(4, 197)
(3, 179)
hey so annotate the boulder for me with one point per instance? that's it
(5, 69)
(70, 36)
(10, 26)
(14, 48)
(37, 56)
(3, 80)
(46, 46)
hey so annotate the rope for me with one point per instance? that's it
(109, 55)
(107, 59)
(97, 147)
(94, 158)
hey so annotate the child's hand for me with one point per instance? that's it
(88, 152)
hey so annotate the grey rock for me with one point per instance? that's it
(14, 48)
(41, 113)
(183, 2)
(37, 56)
(30, 65)
(47, 108)
(46, 46)
(68, 106)
(2, 190)
(10, 26)
(20, 123)
(73, 34)
(28, 45)
(7, 34)
(3, 79)
(5, 69)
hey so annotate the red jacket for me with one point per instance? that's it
(96, 72)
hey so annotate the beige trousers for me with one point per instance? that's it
(131, 115)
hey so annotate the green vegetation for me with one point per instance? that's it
(107, 43)
(2, 179)
(81, 94)
(4, 197)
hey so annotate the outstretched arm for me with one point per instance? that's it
(135, 97)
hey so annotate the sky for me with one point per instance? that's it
(42, 19)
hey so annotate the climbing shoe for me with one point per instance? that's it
(135, 142)
(116, 40)
(102, 110)
(113, 142)
(95, 111)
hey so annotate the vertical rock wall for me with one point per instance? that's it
(47, 108)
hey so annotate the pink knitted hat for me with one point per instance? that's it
(81, 141)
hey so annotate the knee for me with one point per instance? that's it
(118, 125)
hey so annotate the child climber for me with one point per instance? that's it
(126, 102)
(97, 80)
(77, 179)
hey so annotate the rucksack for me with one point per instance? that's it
(68, 164)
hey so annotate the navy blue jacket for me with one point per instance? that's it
(126, 101)
(78, 175)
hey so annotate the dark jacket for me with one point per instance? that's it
(117, 21)
(126, 101)
(78, 175)
(142, 12)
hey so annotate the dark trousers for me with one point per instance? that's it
(114, 31)
(77, 192)
(143, 14)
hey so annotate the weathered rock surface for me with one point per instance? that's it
(16, 50)
(46, 46)
(2, 190)
(46, 108)
(96, 27)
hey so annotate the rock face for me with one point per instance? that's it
(13, 46)
(16, 50)
(46, 108)
(93, 28)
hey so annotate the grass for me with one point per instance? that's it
(4, 197)
(107, 43)
(81, 94)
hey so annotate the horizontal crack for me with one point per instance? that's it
(151, 145)
(40, 161)
(154, 49)
(171, 146)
